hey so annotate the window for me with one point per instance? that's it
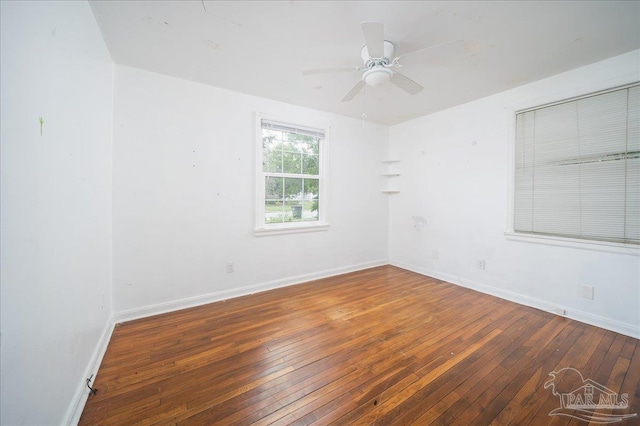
(290, 178)
(577, 168)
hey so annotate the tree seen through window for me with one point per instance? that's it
(291, 168)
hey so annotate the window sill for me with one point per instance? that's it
(602, 246)
(290, 229)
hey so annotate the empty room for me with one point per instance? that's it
(319, 212)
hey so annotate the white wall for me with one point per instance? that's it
(455, 167)
(184, 196)
(56, 205)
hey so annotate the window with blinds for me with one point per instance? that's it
(290, 176)
(577, 168)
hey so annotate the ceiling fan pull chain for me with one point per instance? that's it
(364, 104)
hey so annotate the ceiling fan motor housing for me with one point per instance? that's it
(370, 62)
(377, 72)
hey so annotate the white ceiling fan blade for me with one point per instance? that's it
(330, 70)
(354, 91)
(374, 37)
(453, 44)
(406, 84)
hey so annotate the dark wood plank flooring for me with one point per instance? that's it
(381, 346)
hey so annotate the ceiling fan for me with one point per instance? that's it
(379, 61)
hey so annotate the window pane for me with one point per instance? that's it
(632, 221)
(292, 189)
(633, 135)
(271, 134)
(311, 201)
(273, 188)
(292, 160)
(272, 161)
(310, 164)
(302, 206)
(274, 211)
(314, 146)
(556, 134)
(602, 122)
(602, 186)
(307, 145)
(556, 202)
(311, 188)
(272, 155)
(298, 138)
(310, 210)
(294, 211)
(524, 172)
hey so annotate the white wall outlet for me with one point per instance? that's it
(586, 291)
(481, 263)
(230, 267)
(434, 254)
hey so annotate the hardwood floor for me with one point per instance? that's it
(380, 346)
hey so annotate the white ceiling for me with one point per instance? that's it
(262, 47)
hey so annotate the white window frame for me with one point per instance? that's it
(510, 233)
(322, 224)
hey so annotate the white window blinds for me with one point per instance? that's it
(577, 168)
(290, 128)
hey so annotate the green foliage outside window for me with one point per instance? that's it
(290, 198)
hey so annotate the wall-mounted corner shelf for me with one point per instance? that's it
(389, 172)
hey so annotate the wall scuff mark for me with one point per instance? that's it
(419, 222)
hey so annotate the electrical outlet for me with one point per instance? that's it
(434, 254)
(230, 267)
(587, 292)
(481, 263)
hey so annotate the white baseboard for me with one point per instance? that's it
(72, 416)
(217, 296)
(585, 317)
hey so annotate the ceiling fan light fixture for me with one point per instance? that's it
(377, 68)
(377, 76)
